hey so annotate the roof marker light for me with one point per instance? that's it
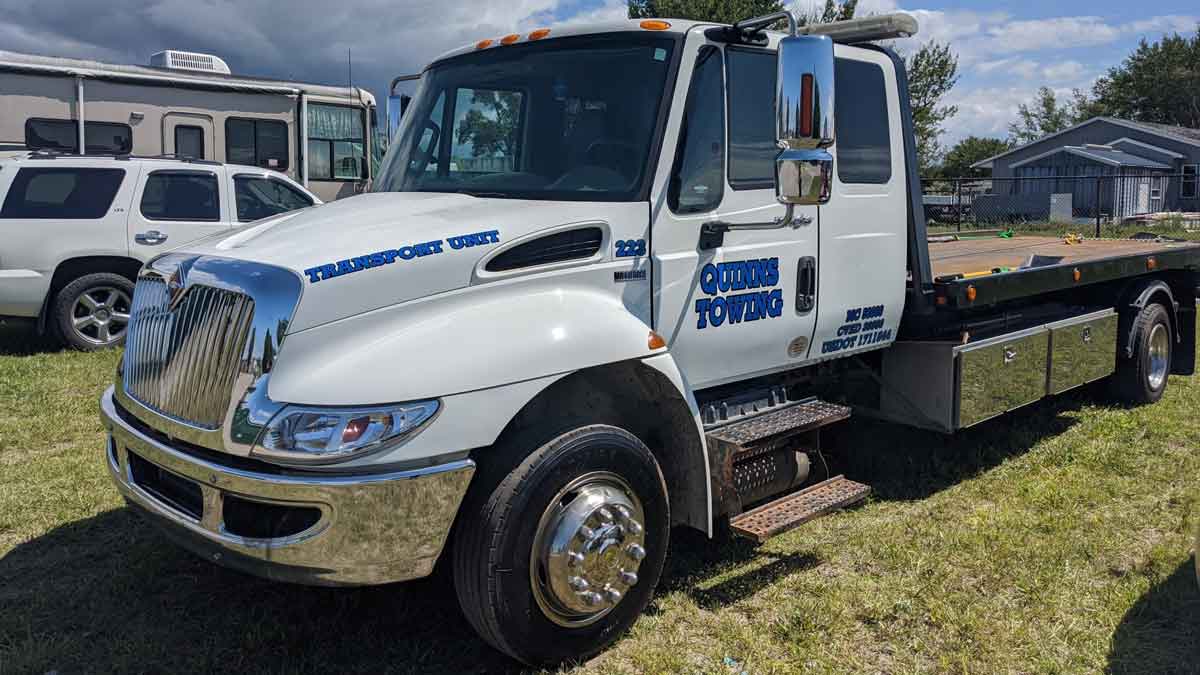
(483, 44)
(509, 39)
(539, 34)
(654, 24)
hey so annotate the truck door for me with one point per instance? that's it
(863, 233)
(188, 135)
(175, 206)
(746, 304)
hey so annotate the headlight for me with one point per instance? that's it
(311, 435)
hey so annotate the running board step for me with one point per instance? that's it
(761, 429)
(792, 511)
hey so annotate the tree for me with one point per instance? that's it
(732, 11)
(491, 123)
(932, 73)
(958, 160)
(1044, 117)
(1158, 82)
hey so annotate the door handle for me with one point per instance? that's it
(806, 284)
(151, 238)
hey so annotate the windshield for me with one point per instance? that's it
(569, 119)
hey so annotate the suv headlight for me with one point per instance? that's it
(315, 435)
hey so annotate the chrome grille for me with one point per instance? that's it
(182, 360)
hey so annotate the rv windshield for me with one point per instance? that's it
(569, 119)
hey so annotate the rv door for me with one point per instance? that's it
(188, 135)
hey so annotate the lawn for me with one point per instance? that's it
(1056, 539)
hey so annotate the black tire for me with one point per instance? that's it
(495, 538)
(1141, 379)
(112, 296)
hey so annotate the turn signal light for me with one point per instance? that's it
(539, 34)
(971, 293)
(483, 44)
(655, 341)
(1077, 275)
(654, 24)
(1151, 263)
(509, 39)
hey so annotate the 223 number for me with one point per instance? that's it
(630, 248)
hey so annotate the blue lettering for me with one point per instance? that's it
(737, 305)
(714, 317)
(701, 313)
(343, 267)
(772, 272)
(407, 253)
(708, 279)
(312, 274)
(775, 301)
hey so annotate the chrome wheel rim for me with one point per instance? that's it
(100, 315)
(587, 550)
(1160, 355)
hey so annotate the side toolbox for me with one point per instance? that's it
(1082, 349)
(1001, 373)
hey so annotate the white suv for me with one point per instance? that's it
(75, 230)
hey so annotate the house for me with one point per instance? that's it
(1134, 167)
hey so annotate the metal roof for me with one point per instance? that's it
(1175, 133)
(1113, 157)
(34, 63)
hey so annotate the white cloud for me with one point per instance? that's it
(1064, 71)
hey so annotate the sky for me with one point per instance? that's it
(1006, 49)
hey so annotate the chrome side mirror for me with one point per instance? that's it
(804, 127)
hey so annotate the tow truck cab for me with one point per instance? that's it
(592, 295)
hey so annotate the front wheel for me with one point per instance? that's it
(92, 312)
(560, 558)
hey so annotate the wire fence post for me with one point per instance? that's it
(958, 204)
(1096, 204)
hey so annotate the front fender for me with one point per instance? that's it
(475, 338)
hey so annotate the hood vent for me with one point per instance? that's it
(552, 248)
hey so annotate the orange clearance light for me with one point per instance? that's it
(1151, 263)
(483, 44)
(1076, 274)
(941, 300)
(971, 293)
(539, 34)
(654, 24)
(509, 39)
(655, 341)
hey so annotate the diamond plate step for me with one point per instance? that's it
(794, 419)
(791, 511)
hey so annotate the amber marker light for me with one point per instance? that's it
(1076, 275)
(539, 34)
(1151, 263)
(654, 24)
(655, 341)
(509, 39)
(483, 44)
(971, 293)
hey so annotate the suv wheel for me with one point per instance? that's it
(92, 312)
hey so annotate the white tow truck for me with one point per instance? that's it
(612, 280)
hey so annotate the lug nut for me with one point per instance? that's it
(587, 532)
(613, 595)
(592, 599)
(636, 552)
(577, 584)
(628, 578)
(574, 559)
(634, 527)
(605, 515)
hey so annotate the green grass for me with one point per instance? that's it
(1054, 540)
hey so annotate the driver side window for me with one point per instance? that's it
(698, 177)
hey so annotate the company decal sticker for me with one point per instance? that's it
(759, 277)
(629, 275)
(630, 248)
(863, 327)
(408, 252)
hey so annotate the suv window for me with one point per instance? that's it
(864, 149)
(752, 149)
(259, 197)
(100, 138)
(257, 143)
(698, 179)
(62, 193)
(181, 195)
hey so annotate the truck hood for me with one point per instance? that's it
(380, 249)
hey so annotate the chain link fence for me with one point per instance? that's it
(1110, 206)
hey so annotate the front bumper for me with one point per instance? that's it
(353, 530)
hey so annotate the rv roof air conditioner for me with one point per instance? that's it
(202, 63)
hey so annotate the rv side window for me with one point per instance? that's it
(864, 149)
(189, 141)
(181, 195)
(257, 143)
(752, 149)
(76, 194)
(100, 138)
(336, 142)
(259, 197)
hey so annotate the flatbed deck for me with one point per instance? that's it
(1003, 268)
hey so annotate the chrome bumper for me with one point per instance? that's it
(357, 530)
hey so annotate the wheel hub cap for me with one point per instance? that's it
(101, 315)
(1160, 353)
(588, 549)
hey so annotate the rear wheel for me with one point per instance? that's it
(559, 559)
(92, 312)
(1142, 378)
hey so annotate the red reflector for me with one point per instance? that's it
(806, 105)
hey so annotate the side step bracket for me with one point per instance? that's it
(791, 511)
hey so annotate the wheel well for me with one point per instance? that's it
(639, 399)
(73, 268)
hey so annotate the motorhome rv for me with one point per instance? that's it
(190, 105)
